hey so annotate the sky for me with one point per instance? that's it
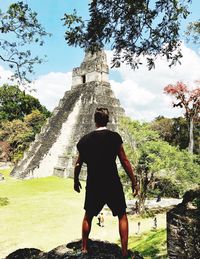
(139, 91)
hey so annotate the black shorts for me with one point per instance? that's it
(113, 196)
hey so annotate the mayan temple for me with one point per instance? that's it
(54, 150)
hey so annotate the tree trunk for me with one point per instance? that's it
(141, 204)
(143, 193)
(191, 136)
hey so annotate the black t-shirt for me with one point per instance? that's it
(98, 150)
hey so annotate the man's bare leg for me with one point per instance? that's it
(123, 231)
(86, 227)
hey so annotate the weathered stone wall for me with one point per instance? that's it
(93, 68)
(95, 95)
(50, 132)
(183, 229)
(54, 150)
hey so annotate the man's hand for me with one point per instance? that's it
(77, 186)
(135, 189)
(77, 170)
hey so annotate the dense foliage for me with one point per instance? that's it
(161, 169)
(18, 135)
(132, 29)
(175, 131)
(21, 117)
(15, 104)
(19, 27)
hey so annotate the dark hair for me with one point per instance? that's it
(101, 116)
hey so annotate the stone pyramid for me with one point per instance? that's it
(54, 150)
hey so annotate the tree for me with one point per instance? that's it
(159, 160)
(136, 134)
(164, 126)
(189, 100)
(18, 135)
(131, 28)
(15, 104)
(175, 131)
(193, 32)
(21, 118)
(179, 137)
(20, 27)
(35, 120)
(156, 161)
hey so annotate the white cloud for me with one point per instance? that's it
(50, 88)
(133, 97)
(4, 76)
(141, 91)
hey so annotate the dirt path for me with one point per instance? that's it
(110, 231)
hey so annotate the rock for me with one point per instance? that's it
(27, 253)
(183, 229)
(189, 196)
(97, 250)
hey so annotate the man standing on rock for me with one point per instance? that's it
(99, 150)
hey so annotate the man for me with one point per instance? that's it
(99, 150)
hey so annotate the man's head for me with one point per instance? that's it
(101, 117)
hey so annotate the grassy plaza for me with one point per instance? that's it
(46, 212)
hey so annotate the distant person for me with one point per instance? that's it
(158, 198)
(155, 223)
(136, 207)
(139, 224)
(99, 150)
(101, 220)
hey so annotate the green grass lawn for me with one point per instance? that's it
(45, 213)
(151, 244)
(41, 213)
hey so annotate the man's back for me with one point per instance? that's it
(98, 150)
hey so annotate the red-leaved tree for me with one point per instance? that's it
(189, 100)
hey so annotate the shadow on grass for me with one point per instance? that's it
(151, 244)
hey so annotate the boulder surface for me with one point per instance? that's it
(97, 250)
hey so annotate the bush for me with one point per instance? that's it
(165, 188)
(147, 214)
(4, 201)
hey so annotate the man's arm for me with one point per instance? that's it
(77, 170)
(128, 169)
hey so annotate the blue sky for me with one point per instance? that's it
(60, 57)
(140, 92)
